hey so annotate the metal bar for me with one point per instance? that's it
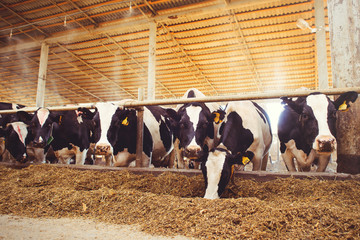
(252, 96)
(140, 133)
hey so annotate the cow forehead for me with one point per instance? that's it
(318, 102)
(106, 110)
(193, 113)
(42, 114)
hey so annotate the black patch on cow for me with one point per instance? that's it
(123, 136)
(165, 119)
(234, 136)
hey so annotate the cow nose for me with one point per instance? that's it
(39, 143)
(192, 151)
(326, 144)
(102, 149)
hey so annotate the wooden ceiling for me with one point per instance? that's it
(99, 49)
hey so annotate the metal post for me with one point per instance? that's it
(140, 131)
(40, 94)
(152, 62)
(344, 19)
(321, 45)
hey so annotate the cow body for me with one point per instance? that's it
(307, 130)
(245, 135)
(65, 131)
(115, 134)
(195, 130)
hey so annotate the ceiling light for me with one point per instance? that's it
(65, 22)
(10, 33)
(301, 23)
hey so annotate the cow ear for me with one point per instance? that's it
(298, 108)
(218, 116)
(342, 103)
(24, 116)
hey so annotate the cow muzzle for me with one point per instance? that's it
(192, 152)
(39, 143)
(102, 149)
(325, 144)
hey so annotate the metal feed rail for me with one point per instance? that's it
(252, 96)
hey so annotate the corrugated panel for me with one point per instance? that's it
(255, 47)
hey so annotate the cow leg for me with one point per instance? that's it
(123, 159)
(264, 162)
(323, 162)
(289, 161)
(179, 161)
(80, 156)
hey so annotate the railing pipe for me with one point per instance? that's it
(251, 96)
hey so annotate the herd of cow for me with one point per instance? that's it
(206, 134)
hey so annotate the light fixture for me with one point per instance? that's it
(65, 22)
(302, 24)
(130, 7)
(10, 33)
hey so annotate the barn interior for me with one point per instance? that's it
(63, 52)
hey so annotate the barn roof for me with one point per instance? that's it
(99, 49)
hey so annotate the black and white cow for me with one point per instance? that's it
(115, 131)
(13, 132)
(195, 129)
(245, 136)
(16, 139)
(307, 129)
(65, 131)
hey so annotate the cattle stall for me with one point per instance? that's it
(63, 52)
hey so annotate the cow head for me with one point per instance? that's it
(317, 118)
(16, 139)
(108, 120)
(218, 167)
(42, 126)
(194, 129)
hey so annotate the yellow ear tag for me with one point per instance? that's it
(125, 122)
(245, 160)
(343, 107)
(217, 119)
(60, 119)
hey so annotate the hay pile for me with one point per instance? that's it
(171, 204)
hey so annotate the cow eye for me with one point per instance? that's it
(305, 116)
(182, 125)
